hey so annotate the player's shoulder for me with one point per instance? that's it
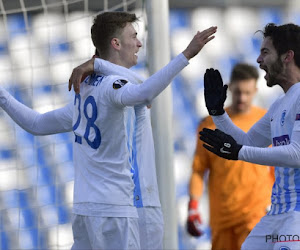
(114, 81)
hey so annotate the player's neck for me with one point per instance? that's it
(291, 77)
(235, 111)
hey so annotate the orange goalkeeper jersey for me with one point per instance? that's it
(238, 191)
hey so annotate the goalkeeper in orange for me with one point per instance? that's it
(239, 192)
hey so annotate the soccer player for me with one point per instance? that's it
(102, 117)
(238, 191)
(280, 59)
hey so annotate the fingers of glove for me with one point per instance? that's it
(225, 137)
(224, 93)
(220, 133)
(214, 137)
(215, 80)
(211, 149)
(218, 77)
(207, 80)
(207, 130)
(209, 141)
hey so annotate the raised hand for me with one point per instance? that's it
(214, 92)
(220, 143)
(198, 42)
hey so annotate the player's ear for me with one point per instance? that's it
(288, 56)
(115, 42)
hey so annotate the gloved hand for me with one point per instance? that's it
(214, 92)
(194, 219)
(220, 143)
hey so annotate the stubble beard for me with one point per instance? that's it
(275, 73)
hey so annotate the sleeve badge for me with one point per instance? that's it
(119, 83)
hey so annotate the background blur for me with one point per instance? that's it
(40, 43)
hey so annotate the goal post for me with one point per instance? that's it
(161, 117)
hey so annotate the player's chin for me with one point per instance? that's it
(242, 107)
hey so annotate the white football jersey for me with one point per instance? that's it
(103, 129)
(109, 142)
(146, 192)
(145, 179)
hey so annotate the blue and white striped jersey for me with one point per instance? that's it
(284, 119)
(281, 127)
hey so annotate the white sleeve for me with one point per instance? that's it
(56, 121)
(107, 68)
(281, 156)
(254, 137)
(133, 94)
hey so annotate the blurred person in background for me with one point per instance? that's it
(280, 127)
(238, 191)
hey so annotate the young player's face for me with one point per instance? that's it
(130, 46)
(270, 62)
(242, 94)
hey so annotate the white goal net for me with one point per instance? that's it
(40, 43)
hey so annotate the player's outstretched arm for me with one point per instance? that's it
(56, 121)
(94, 64)
(226, 147)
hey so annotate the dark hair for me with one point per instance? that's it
(243, 71)
(108, 25)
(284, 37)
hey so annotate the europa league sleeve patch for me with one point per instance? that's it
(119, 83)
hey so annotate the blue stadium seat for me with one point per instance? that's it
(65, 172)
(59, 47)
(16, 25)
(270, 15)
(46, 195)
(32, 239)
(28, 218)
(63, 215)
(5, 244)
(6, 153)
(15, 198)
(179, 18)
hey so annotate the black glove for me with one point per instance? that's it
(214, 92)
(220, 143)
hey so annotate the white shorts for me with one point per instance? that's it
(280, 232)
(151, 226)
(92, 232)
